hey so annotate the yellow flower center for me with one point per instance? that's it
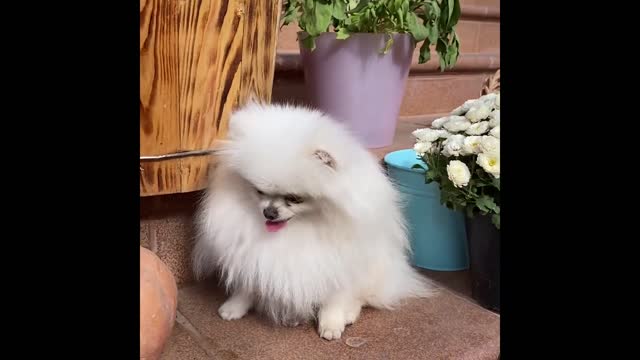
(492, 162)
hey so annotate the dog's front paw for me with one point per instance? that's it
(330, 334)
(353, 312)
(233, 310)
(331, 326)
(291, 323)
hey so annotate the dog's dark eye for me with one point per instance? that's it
(294, 199)
(259, 192)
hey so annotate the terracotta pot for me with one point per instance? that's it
(158, 302)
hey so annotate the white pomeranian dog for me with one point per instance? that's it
(302, 223)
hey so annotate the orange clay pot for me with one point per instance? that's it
(158, 301)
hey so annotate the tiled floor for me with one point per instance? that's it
(448, 326)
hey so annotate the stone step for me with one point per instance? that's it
(446, 326)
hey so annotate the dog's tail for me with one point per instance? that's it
(402, 284)
(203, 262)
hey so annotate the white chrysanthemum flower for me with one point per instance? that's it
(462, 109)
(494, 118)
(490, 145)
(471, 145)
(430, 135)
(495, 132)
(421, 147)
(489, 99)
(457, 124)
(478, 112)
(437, 123)
(498, 101)
(490, 162)
(453, 145)
(458, 173)
(479, 128)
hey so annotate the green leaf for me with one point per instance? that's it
(432, 175)
(316, 17)
(441, 48)
(290, 12)
(361, 5)
(388, 45)
(400, 18)
(443, 19)
(425, 53)
(452, 54)
(339, 9)
(418, 166)
(456, 43)
(486, 204)
(373, 18)
(496, 183)
(342, 34)
(454, 15)
(431, 21)
(495, 219)
(436, 10)
(309, 42)
(404, 6)
(417, 29)
(433, 33)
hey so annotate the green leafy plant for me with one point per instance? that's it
(431, 22)
(462, 154)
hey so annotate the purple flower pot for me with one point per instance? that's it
(355, 83)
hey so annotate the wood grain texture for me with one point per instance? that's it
(262, 21)
(199, 59)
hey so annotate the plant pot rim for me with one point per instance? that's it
(404, 159)
(333, 33)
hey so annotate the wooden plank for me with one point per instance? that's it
(213, 48)
(157, 178)
(188, 174)
(262, 20)
(159, 87)
(198, 60)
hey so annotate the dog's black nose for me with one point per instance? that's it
(270, 213)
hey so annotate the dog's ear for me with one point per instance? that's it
(325, 158)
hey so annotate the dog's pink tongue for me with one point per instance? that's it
(273, 226)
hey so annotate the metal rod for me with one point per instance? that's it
(180, 154)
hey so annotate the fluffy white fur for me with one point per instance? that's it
(344, 247)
